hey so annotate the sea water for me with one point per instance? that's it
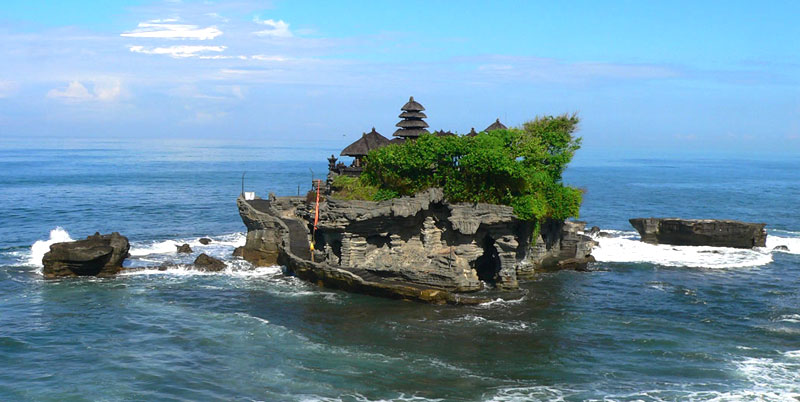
(650, 322)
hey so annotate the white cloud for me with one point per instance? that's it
(7, 88)
(263, 57)
(275, 29)
(182, 52)
(103, 91)
(168, 29)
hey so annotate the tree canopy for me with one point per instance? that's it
(520, 167)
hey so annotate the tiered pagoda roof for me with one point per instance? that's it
(366, 143)
(495, 126)
(412, 125)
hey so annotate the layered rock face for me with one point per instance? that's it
(421, 240)
(700, 232)
(97, 255)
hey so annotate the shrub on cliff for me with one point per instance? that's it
(520, 167)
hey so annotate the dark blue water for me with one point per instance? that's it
(651, 323)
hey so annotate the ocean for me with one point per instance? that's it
(650, 322)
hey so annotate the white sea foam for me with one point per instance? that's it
(512, 325)
(626, 247)
(228, 241)
(40, 247)
(790, 318)
(186, 270)
(788, 240)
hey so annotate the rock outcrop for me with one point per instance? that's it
(204, 262)
(97, 255)
(184, 249)
(422, 243)
(205, 241)
(701, 232)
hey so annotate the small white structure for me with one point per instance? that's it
(249, 195)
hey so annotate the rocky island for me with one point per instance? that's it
(430, 217)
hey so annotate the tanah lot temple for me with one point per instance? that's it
(410, 127)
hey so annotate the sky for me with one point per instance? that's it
(643, 76)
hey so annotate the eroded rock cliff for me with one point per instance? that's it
(422, 240)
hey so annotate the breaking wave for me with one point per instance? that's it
(41, 247)
(625, 246)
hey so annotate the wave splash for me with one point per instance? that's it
(41, 247)
(625, 246)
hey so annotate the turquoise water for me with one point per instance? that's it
(650, 323)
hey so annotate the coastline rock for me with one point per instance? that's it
(204, 262)
(238, 252)
(420, 247)
(594, 230)
(205, 241)
(780, 248)
(184, 249)
(700, 232)
(97, 255)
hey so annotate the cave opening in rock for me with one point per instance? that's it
(488, 264)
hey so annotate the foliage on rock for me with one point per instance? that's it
(520, 167)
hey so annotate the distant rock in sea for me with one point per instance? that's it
(205, 241)
(97, 255)
(700, 232)
(184, 249)
(204, 262)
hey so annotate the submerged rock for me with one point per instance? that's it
(184, 249)
(700, 232)
(204, 262)
(205, 241)
(97, 255)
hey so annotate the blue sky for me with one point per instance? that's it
(646, 76)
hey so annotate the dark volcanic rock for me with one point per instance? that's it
(184, 248)
(238, 251)
(780, 248)
(204, 262)
(594, 230)
(97, 255)
(701, 232)
(205, 241)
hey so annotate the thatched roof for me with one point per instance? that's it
(412, 115)
(412, 106)
(398, 140)
(410, 132)
(366, 143)
(472, 132)
(442, 133)
(495, 126)
(410, 123)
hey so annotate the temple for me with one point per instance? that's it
(412, 125)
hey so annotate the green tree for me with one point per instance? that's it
(520, 167)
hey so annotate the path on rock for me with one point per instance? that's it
(298, 238)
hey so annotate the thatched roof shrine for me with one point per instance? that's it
(366, 143)
(496, 126)
(442, 133)
(412, 125)
(471, 132)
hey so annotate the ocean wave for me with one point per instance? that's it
(626, 247)
(232, 270)
(149, 248)
(792, 243)
(513, 326)
(41, 247)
